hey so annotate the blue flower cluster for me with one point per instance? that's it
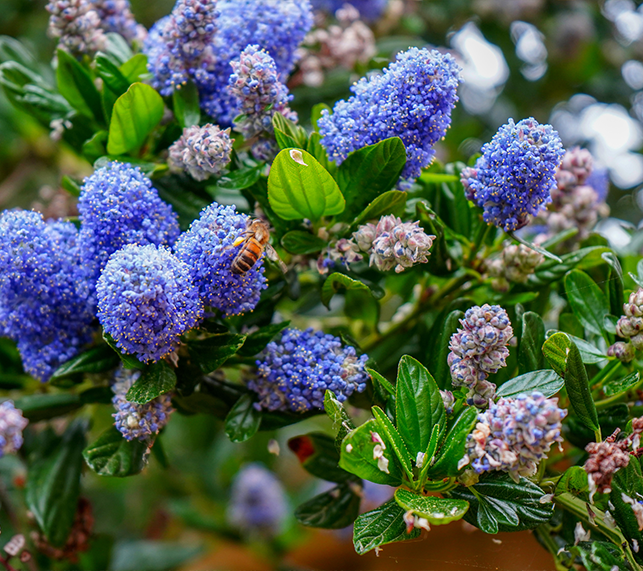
(175, 56)
(201, 151)
(515, 175)
(117, 206)
(479, 349)
(295, 372)
(208, 249)
(258, 504)
(116, 16)
(44, 303)
(12, 423)
(412, 99)
(138, 421)
(147, 300)
(76, 26)
(514, 435)
(369, 10)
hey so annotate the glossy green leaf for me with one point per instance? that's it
(393, 436)
(619, 386)
(573, 481)
(342, 423)
(546, 381)
(319, 456)
(135, 114)
(550, 270)
(368, 172)
(243, 420)
(530, 353)
(304, 243)
(438, 356)
(357, 455)
(156, 380)
(257, 341)
(391, 202)
(129, 361)
(564, 357)
(336, 282)
(425, 461)
(111, 74)
(134, 67)
(588, 302)
(454, 447)
(438, 511)
(240, 179)
(600, 556)
(288, 131)
(542, 251)
(53, 484)
(186, 105)
(383, 381)
(213, 351)
(96, 360)
(112, 455)
(589, 354)
(77, 87)
(38, 407)
(334, 509)
(299, 187)
(419, 406)
(381, 526)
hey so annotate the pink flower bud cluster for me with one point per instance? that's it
(201, 151)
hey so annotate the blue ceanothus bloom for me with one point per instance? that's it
(117, 206)
(208, 249)
(295, 372)
(44, 303)
(369, 10)
(515, 175)
(412, 99)
(147, 300)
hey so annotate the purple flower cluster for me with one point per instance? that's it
(514, 435)
(209, 249)
(116, 16)
(117, 206)
(12, 423)
(369, 10)
(44, 303)
(296, 371)
(201, 151)
(412, 99)
(76, 25)
(138, 421)
(392, 243)
(258, 504)
(147, 300)
(479, 349)
(515, 175)
(630, 327)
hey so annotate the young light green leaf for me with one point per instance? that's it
(438, 511)
(337, 282)
(391, 202)
(587, 300)
(300, 187)
(243, 420)
(134, 67)
(381, 526)
(334, 509)
(393, 436)
(112, 455)
(546, 381)
(156, 380)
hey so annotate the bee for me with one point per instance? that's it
(254, 242)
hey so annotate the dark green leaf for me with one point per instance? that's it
(628, 483)
(614, 283)
(536, 248)
(368, 172)
(299, 187)
(342, 423)
(318, 454)
(257, 341)
(551, 271)
(243, 420)
(618, 386)
(564, 357)
(212, 352)
(419, 406)
(111, 74)
(530, 353)
(588, 352)
(112, 455)
(135, 114)
(186, 105)
(381, 526)
(547, 382)
(45, 406)
(240, 179)
(77, 87)
(384, 382)
(600, 556)
(438, 511)
(334, 509)
(440, 349)
(588, 302)
(129, 361)
(96, 360)
(391, 202)
(53, 484)
(356, 456)
(337, 282)
(158, 379)
(393, 436)
(304, 243)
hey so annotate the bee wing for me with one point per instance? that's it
(272, 255)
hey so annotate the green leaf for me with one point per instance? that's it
(158, 379)
(418, 403)
(614, 283)
(117, 47)
(316, 113)
(384, 382)
(454, 447)
(288, 132)
(300, 187)
(619, 386)
(129, 361)
(139, 555)
(628, 482)
(497, 503)
(243, 420)
(587, 300)
(77, 87)
(356, 456)
(334, 509)
(600, 556)
(342, 423)
(438, 511)
(94, 148)
(111, 74)
(70, 185)
(96, 360)
(134, 67)
(551, 271)
(530, 354)
(112, 455)
(303, 243)
(53, 484)
(393, 436)
(589, 354)
(319, 456)
(381, 526)
(574, 481)
(213, 351)
(564, 357)
(135, 114)
(546, 381)
(257, 341)
(429, 453)
(38, 407)
(438, 356)
(186, 105)
(240, 179)
(437, 178)
(391, 202)
(534, 247)
(336, 282)
(368, 172)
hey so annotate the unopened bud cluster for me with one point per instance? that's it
(76, 25)
(478, 349)
(201, 151)
(516, 263)
(630, 327)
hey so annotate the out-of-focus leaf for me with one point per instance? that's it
(243, 420)
(334, 509)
